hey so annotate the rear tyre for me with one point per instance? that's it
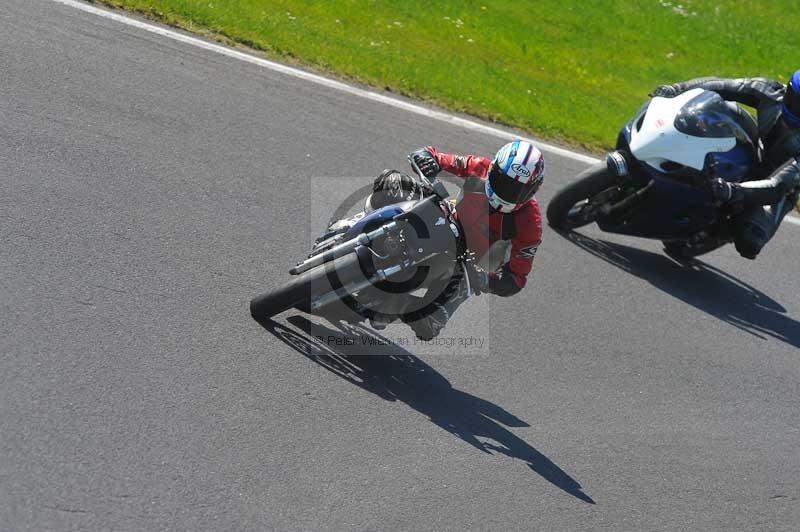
(572, 207)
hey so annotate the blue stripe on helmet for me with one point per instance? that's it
(509, 157)
(527, 155)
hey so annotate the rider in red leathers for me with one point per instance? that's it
(497, 207)
(484, 226)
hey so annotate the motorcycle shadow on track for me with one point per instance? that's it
(702, 286)
(374, 363)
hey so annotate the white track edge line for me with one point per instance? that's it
(333, 84)
(321, 80)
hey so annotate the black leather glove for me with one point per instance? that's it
(426, 162)
(665, 91)
(478, 278)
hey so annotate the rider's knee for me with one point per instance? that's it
(753, 230)
(751, 238)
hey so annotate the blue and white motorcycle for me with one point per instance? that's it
(655, 185)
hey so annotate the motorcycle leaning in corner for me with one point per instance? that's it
(656, 184)
(364, 266)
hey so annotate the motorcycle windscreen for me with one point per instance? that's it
(677, 130)
(708, 116)
(374, 219)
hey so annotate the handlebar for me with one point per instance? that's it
(435, 185)
(417, 171)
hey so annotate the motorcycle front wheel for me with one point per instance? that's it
(302, 289)
(578, 203)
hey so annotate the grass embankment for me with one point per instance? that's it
(568, 71)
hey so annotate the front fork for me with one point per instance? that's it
(344, 291)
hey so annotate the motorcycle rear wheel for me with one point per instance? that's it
(572, 206)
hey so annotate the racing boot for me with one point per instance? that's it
(430, 321)
(429, 326)
(380, 321)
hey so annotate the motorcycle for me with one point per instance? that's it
(364, 265)
(655, 184)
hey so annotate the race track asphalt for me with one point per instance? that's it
(149, 189)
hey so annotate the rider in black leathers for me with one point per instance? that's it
(772, 189)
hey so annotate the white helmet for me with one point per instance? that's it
(515, 175)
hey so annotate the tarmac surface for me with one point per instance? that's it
(149, 189)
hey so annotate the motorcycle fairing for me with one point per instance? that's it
(669, 210)
(678, 205)
(434, 245)
(657, 140)
(377, 218)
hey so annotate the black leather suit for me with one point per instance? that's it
(772, 189)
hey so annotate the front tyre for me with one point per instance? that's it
(573, 205)
(302, 289)
(296, 293)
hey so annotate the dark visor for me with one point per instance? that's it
(509, 189)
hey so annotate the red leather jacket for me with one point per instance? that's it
(482, 228)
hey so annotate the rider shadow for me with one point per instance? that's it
(702, 286)
(377, 365)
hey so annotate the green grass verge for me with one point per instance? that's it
(570, 71)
